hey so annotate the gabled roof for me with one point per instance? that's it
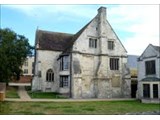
(75, 37)
(46, 40)
(53, 40)
(57, 41)
(157, 48)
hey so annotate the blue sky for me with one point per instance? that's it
(136, 25)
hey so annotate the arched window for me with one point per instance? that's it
(50, 76)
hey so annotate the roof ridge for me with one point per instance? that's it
(46, 31)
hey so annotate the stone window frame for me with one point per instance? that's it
(150, 67)
(114, 63)
(64, 63)
(92, 43)
(64, 81)
(111, 44)
(50, 75)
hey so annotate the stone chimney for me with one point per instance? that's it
(102, 20)
(102, 13)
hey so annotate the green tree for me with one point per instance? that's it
(14, 49)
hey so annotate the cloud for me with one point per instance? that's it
(142, 21)
(137, 25)
(58, 11)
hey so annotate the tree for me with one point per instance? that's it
(14, 49)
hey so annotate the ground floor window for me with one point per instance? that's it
(64, 81)
(25, 71)
(155, 90)
(146, 90)
(50, 75)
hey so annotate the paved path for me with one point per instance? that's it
(23, 94)
(65, 100)
(19, 84)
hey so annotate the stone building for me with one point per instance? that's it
(28, 66)
(149, 74)
(89, 64)
(28, 70)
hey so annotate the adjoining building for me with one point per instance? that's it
(89, 64)
(28, 70)
(132, 64)
(149, 74)
(28, 66)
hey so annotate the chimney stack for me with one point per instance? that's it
(102, 21)
(102, 12)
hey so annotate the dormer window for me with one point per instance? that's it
(92, 43)
(111, 45)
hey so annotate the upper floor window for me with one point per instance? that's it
(110, 45)
(114, 63)
(150, 67)
(64, 63)
(26, 62)
(49, 75)
(92, 43)
(32, 64)
(63, 81)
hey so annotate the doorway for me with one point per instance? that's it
(133, 88)
(146, 90)
(155, 90)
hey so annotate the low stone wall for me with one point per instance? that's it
(2, 91)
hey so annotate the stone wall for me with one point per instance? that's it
(48, 60)
(105, 84)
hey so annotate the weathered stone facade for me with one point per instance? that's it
(90, 73)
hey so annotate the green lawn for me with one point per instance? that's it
(98, 107)
(11, 92)
(47, 95)
(43, 95)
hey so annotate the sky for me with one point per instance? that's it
(137, 26)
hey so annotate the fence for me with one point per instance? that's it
(2, 91)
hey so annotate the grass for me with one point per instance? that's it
(98, 108)
(11, 92)
(43, 95)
